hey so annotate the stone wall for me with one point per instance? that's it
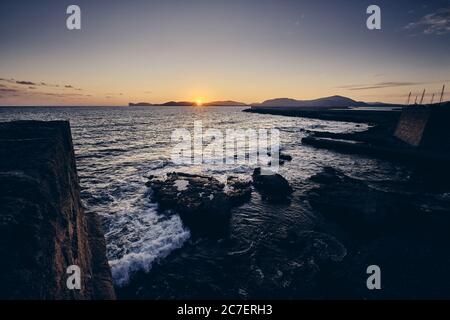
(427, 127)
(412, 124)
(43, 226)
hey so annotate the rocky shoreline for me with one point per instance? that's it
(331, 230)
(204, 203)
(399, 226)
(381, 140)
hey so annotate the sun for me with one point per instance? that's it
(199, 102)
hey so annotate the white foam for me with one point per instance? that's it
(181, 184)
(156, 243)
(137, 236)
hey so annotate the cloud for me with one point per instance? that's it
(60, 95)
(17, 89)
(28, 83)
(38, 84)
(379, 85)
(68, 86)
(437, 23)
(7, 90)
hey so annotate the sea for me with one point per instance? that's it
(153, 255)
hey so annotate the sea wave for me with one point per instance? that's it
(135, 243)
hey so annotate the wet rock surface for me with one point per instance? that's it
(273, 187)
(203, 202)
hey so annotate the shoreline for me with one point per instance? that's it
(380, 140)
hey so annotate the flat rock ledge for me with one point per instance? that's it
(203, 202)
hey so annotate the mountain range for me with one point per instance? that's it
(226, 103)
(333, 101)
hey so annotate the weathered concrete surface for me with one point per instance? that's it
(43, 226)
(425, 126)
(412, 123)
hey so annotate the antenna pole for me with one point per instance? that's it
(442, 94)
(432, 99)
(423, 95)
(409, 97)
(415, 101)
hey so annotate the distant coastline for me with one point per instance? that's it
(227, 103)
(332, 101)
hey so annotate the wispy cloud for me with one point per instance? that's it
(26, 83)
(7, 90)
(38, 84)
(380, 85)
(390, 84)
(26, 88)
(69, 86)
(437, 23)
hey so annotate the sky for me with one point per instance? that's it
(247, 50)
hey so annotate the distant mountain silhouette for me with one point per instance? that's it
(189, 103)
(333, 101)
(178, 103)
(144, 104)
(225, 103)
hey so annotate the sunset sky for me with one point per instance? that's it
(244, 50)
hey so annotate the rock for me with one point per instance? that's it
(273, 187)
(360, 209)
(43, 226)
(282, 158)
(239, 191)
(285, 157)
(201, 201)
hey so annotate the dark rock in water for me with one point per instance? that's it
(282, 158)
(272, 186)
(285, 157)
(43, 226)
(202, 202)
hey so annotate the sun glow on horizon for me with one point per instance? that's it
(199, 102)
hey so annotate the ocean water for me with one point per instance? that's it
(153, 255)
